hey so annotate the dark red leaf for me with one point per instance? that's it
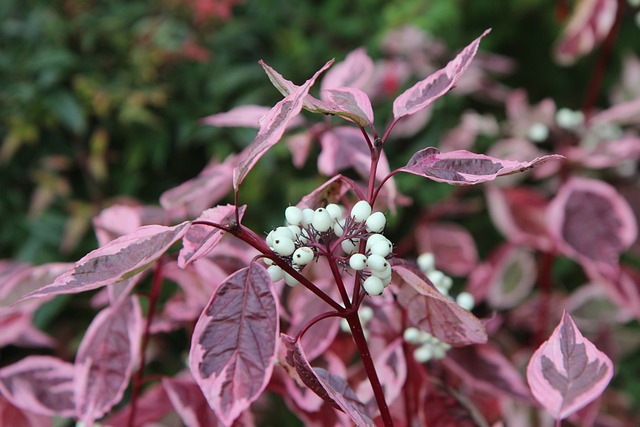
(234, 342)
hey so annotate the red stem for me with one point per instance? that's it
(545, 272)
(367, 361)
(153, 299)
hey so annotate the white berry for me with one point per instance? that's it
(283, 246)
(376, 238)
(275, 272)
(303, 255)
(335, 211)
(381, 248)
(321, 220)
(365, 314)
(358, 261)
(307, 216)
(293, 215)
(426, 262)
(290, 280)
(377, 262)
(411, 335)
(423, 353)
(376, 222)
(350, 246)
(338, 227)
(373, 285)
(361, 211)
(465, 300)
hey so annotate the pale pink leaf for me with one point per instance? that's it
(353, 104)
(623, 114)
(117, 261)
(106, 357)
(197, 194)
(567, 371)
(590, 23)
(355, 71)
(234, 342)
(462, 167)
(453, 246)
(200, 239)
(331, 388)
(591, 221)
(273, 126)
(15, 286)
(329, 192)
(431, 311)
(40, 384)
(17, 329)
(242, 116)
(423, 93)
(124, 218)
(483, 367)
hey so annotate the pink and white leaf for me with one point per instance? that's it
(331, 191)
(589, 24)
(242, 116)
(462, 167)
(117, 261)
(189, 402)
(591, 221)
(351, 103)
(425, 92)
(234, 342)
(273, 126)
(151, 407)
(567, 371)
(453, 246)
(124, 218)
(15, 286)
(392, 370)
(429, 310)
(356, 71)
(331, 388)
(40, 384)
(106, 358)
(200, 239)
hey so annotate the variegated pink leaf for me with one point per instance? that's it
(392, 370)
(330, 388)
(190, 404)
(590, 23)
(591, 221)
(15, 286)
(567, 371)
(40, 384)
(355, 71)
(462, 167)
(151, 407)
(117, 261)
(453, 246)
(234, 342)
(120, 219)
(423, 93)
(105, 360)
(13, 416)
(353, 103)
(431, 311)
(272, 127)
(242, 116)
(200, 239)
(192, 197)
(329, 192)
(513, 275)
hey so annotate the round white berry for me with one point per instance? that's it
(373, 285)
(295, 230)
(426, 262)
(439, 352)
(424, 353)
(338, 227)
(383, 272)
(321, 220)
(267, 261)
(293, 215)
(365, 314)
(361, 211)
(275, 272)
(376, 222)
(290, 280)
(374, 239)
(283, 232)
(411, 335)
(303, 255)
(358, 261)
(307, 216)
(381, 248)
(386, 280)
(436, 277)
(269, 239)
(465, 300)
(283, 246)
(377, 262)
(538, 132)
(349, 246)
(335, 211)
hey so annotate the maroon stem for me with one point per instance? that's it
(545, 274)
(338, 279)
(595, 83)
(367, 361)
(153, 299)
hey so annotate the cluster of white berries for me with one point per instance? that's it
(428, 346)
(298, 241)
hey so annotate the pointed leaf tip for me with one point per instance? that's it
(567, 371)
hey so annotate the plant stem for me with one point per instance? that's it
(153, 299)
(367, 361)
(338, 279)
(545, 274)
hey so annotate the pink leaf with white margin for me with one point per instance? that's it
(186, 397)
(425, 92)
(567, 371)
(591, 221)
(429, 310)
(40, 384)
(105, 359)
(354, 103)
(462, 167)
(330, 388)
(117, 261)
(355, 71)
(200, 239)
(590, 23)
(272, 127)
(234, 342)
